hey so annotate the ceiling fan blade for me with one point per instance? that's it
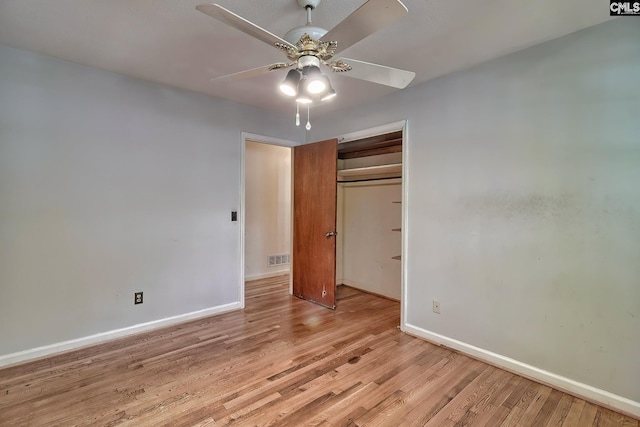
(380, 74)
(367, 19)
(239, 23)
(247, 74)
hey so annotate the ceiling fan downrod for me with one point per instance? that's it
(309, 5)
(309, 9)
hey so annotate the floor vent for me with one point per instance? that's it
(280, 259)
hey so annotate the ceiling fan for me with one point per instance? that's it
(307, 47)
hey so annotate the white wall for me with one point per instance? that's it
(110, 185)
(267, 208)
(523, 201)
(368, 242)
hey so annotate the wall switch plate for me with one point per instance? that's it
(436, 306)
(137, 298)
(234, 215)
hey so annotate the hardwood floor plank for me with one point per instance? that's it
(522, 395)
(339, 413)
(630, 422)
(383, 411)
(559, 415)
(607, 418)
(283, 361)
(501, 412)
(588, 415)
(547, 408)
(573, 416)
(421, 404)
(530, 408)
(488, 405)
(460, 404)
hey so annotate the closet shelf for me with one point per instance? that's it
(371, 172)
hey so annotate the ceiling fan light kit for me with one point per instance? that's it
(331, 93)
(308, 47)
(289, 85)
(303, 96)
(313, 80)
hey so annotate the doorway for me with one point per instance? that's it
(372, 213)
(265, 214)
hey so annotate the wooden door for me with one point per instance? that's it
(314, 222)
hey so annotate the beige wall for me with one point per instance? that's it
(267, 207)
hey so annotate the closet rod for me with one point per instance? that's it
(368, 179)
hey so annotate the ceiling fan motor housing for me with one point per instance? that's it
(294, 35)
(308, 61)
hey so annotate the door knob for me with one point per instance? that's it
(331, 233)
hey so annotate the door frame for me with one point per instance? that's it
(262, 139)
(402, 125)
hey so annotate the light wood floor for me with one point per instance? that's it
(283, 362)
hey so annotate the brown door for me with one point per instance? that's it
(314, 222)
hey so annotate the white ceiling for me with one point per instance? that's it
(168, 41)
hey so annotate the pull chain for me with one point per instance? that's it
(308, 126)
(297, 114)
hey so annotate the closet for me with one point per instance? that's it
(369, 214)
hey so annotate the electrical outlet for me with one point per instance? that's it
(137, 298)
(436, 306)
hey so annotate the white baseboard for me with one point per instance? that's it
(48, 350)
(266, 275)
(584, 391)
(365, 288)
